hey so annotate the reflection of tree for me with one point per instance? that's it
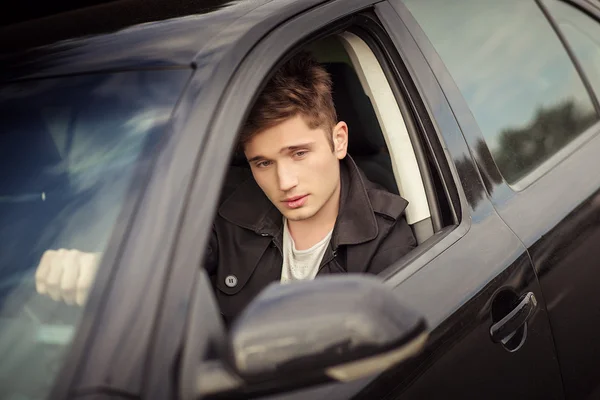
(489, 173)
(520, 150)
(486, 171)
(470, 179)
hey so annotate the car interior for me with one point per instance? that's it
(379, 140)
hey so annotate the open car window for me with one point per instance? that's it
(381, 139)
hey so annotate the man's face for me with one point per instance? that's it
(296, 167)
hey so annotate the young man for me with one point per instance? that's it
(303, 209)
(307, 210)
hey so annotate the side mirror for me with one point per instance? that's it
(296, 335)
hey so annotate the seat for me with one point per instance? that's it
(366, 143)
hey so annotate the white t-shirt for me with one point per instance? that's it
(301, 264)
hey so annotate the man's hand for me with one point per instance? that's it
(66, 275)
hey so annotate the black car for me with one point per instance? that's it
(119, 124)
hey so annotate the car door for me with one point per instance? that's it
(540, 148)
(465, 284)
(464, 279)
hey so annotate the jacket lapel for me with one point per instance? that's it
(356, 221)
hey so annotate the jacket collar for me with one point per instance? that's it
(249, 208)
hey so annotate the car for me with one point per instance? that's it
(119, 125)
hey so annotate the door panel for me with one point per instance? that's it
(565, 249)
(553, 208)
(558, 218)
(458, 289)
(462, 361)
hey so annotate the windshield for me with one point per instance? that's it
(68, 150)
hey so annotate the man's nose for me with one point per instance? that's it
(287, 177)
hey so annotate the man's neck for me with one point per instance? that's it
(306, 233)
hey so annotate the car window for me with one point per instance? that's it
(582, 32)
(68, 148)
(514, 74)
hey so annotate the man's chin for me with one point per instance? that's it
(298, 215)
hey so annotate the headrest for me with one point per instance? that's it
(354, 107)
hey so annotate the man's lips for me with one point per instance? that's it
(296, 201)
(294, 198)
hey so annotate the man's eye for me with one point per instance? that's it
(263, 164)
(300, 154)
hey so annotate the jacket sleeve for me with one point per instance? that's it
(399, 241)
(212, 254)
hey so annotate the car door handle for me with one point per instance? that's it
(503, 330)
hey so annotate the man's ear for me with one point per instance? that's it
(340, 140)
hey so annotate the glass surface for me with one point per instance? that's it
(514, 74)
(582, 32)
(68, 150)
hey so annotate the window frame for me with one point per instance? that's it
(567, 46)
(409, 174)
(592, 7)
(592, 11)
(420, 119)
(425, 138)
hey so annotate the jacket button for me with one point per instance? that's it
(273, 244)
(231, 281)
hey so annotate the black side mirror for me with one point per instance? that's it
(337, 328)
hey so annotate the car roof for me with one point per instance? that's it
(124, 35)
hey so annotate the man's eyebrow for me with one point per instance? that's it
(255, 158)
(296, 147)
(283, 149)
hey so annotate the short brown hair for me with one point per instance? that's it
(301, 86)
